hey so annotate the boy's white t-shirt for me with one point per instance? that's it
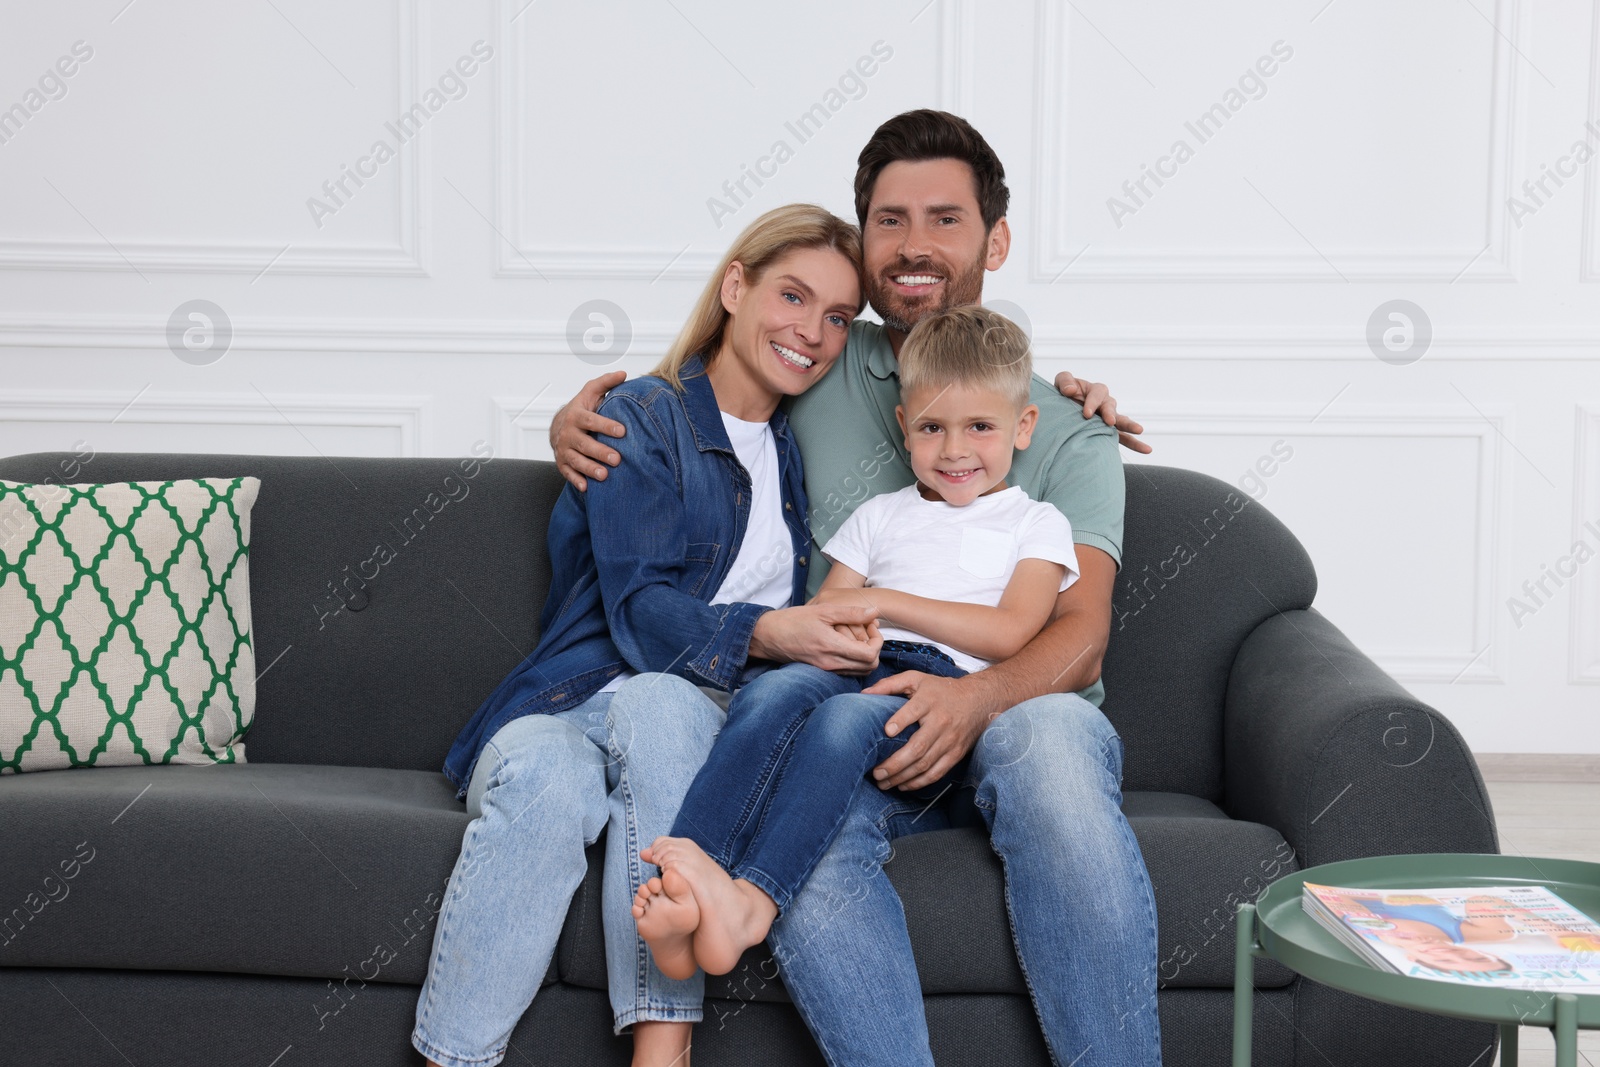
(763, 571)
(967, 554)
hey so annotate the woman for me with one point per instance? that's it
(670, 579)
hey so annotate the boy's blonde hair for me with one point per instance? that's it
(968, 345)
(765, 241)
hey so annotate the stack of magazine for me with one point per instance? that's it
(1510, 937)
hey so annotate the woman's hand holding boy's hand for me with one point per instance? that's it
(823, 635)
(857, 597)
(856, 632)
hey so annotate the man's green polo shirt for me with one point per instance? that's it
(853, 449)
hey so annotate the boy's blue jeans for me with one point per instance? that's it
(798, 743)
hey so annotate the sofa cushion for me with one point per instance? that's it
(125, 623)
(1202, 865)
(284, 869)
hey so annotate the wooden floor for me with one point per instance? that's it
(1538, 816)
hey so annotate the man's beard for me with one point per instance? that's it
(960, 288)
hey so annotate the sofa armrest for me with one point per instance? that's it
(1323, 746)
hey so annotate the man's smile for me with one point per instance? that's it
(917, 282)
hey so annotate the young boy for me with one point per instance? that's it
(964, 572)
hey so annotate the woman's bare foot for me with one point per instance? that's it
(667, 915)
(733, 914)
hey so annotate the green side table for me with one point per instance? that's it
(1276, 927)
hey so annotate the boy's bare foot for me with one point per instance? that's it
(733, 914)
(667, 915)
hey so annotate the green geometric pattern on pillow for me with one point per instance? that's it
(125, 623)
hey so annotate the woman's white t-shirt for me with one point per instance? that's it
(763, 571)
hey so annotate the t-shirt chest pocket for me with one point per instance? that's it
(985, 553)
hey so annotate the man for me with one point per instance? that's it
(1043, 764)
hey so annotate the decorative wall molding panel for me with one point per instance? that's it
(1584, 632)
(1589, 267)
(444, 336)
(516, 256)
(405, 257)
(1057, 258)
(405, 416)
(1484, 660)
(522, 425)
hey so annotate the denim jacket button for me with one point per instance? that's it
(787, 506)
(802, 561)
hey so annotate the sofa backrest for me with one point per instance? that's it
(1202, 566)
(389, 596)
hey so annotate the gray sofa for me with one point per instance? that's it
(280, 913)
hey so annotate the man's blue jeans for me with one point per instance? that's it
(1047, 778)
(543, 790)
(798, 743)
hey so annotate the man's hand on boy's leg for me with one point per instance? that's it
(1096, 398)
(572, 431)
(949, 722)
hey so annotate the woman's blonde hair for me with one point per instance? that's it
(766, 240)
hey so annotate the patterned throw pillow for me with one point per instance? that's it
(125, 623)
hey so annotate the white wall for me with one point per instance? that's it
(430, 308)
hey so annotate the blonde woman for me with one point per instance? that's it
(672, 579)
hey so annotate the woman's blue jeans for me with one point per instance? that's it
(798, 743)
(543, 790)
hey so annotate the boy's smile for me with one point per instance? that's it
(961, 439)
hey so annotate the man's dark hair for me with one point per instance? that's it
(926, 134)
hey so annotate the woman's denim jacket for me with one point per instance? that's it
(636, 559)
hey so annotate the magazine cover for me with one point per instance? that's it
(1513, 937)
